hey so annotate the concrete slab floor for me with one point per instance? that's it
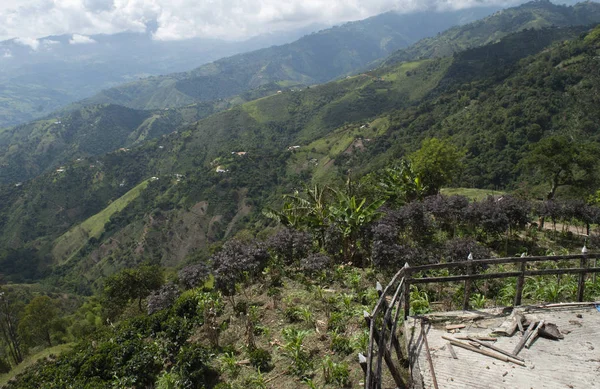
(570, 363)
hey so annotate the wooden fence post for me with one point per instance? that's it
(383, 351)
(362, 360)
(390, 324)
(406, 296)
(467, 294)
(520, 283)
(581, 284)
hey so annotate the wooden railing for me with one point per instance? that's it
(395, 297)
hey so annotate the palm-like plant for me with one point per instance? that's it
(349, 215)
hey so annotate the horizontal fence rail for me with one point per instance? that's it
(395, 297)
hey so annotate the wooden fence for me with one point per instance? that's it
(395, 298)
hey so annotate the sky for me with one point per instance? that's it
(181, 19)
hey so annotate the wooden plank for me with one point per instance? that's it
(488, 276)
(429, 360)
(497, 349)
(393, 338)
(520, 285)
(406, 298)
(524, 338)
(467, 291)
(466, 337)
(498, 261)
(467, 346)
(450, 327)
(581, 283)
(451, 349)
(557, 305)
(534, 335)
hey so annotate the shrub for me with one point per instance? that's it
(168, 381)
(260, 359)
(292, 314)
(4, 366)
(237, 262)
(290, 245)
(193, 362)
(337, 322)
(336, 373)
(162, 298)
(193, 276)
(340, 343)
(293, 349)
(458, 249)
(315, 263)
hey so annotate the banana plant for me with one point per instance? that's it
(349, 215)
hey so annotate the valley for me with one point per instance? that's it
(225, 227)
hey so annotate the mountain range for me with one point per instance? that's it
(28, 150)
(39, 76)
(186, 186)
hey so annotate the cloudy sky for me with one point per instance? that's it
(180, 19)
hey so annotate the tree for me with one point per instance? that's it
(437, 163)
(40, 319)
(235, 263)
(162, 298)
(194, 276)
(308, 211)
(562, 161)
(131, 284)
(399, 184)
(8, 327)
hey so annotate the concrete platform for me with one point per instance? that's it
(573, 362)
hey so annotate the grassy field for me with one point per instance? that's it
(472, 193)
(32, 359)
(73, 240)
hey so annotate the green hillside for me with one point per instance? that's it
(357, 123)
(276, 285)
(73, 240)
(30, 149)
(535, 14)
(313, 59)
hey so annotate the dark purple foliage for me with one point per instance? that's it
(496, 215)
(517, 211)
(447, 210)
(385, 248)
(550, 209)
(290, 245)
(162, 298)
(193, 276)
(579, 210)
(333, 241)
(414, 217)
(235, 262)
(316, 262)
(458, 249)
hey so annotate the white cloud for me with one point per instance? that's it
(78, 39)
(33, 43)
(50, 42)
(7, 54)
(178, 19)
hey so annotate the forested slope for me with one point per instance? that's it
(315, 58)
(535, 14)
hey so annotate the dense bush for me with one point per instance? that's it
(260, 359)
(162, 298)
(315, 263)
(193, 276)
(235, 262)
(290, 245)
